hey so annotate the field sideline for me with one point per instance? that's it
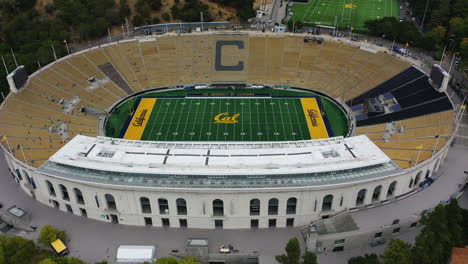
(351, 13)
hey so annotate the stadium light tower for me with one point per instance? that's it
(201, 19)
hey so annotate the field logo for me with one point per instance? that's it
(139, 120)
(313, 115)
(351, 6)
(223, 118)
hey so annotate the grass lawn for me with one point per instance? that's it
(347, 12)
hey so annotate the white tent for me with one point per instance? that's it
(136, 254)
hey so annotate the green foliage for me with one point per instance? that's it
(155, 20)
(49, 8)
(124, 10)
(47, 261)
(433, 243)
(166, 260)
(102, 262)
(62, 260)
(49, 234)
(366, 259)
(138, 21)
(390, 28)
(293, 253)
(16, 250)
(464, 226)
(155, 4)
(89, 18)
(309, 258)
(166, 16)
(190, 11)
(244, 7)
(188, 260)
(398, 252)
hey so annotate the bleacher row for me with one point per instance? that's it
(30, 118)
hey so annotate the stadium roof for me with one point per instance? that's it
(324, 160)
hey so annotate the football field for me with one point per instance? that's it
(351, 13)
(231, 119)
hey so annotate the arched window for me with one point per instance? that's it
(411, 183)
(376, 193)
(327, 203)
(218, 207)
(273, 206)
(436, 165)
(254, 207)
(181, 206)
(291, 205)
(417, 179)
(110, 201)
(50, 187)
(428, 173)
(79, 196)
(391, 189)
(163, 206)
(64, 191)
(30, 179)
(361, 196)
(145, 205)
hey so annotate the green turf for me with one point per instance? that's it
(261, 119)
(322, 12)
(116, 121)
(336, 118)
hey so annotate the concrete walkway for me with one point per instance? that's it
(95, 241)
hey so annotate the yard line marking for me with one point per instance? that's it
(258, 119)
(311, 4)
(282, 120)
(150, 135)
(266, 119)
(195, 121)
(187, 120)
(203, 118)
(171, 122)
(162, 124)
(298, 122)
(217, 125)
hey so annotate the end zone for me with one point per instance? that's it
(140, 119)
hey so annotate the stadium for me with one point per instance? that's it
(232, 130)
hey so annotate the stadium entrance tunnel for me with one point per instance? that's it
(228, 114)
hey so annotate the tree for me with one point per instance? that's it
(366, 259)
(155, 4)
(124, 10)
(188, 260)
(16, 250)
(433, 243)
(166, 16)
(397, 252)
(454, 222)
(293, 253)
(166, 260)
(309, 258)
(47, 261)
(49, 234)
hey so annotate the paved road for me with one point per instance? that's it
(94, 241)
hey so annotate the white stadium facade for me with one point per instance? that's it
(61, 157)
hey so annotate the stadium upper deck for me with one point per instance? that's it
(49, 111)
